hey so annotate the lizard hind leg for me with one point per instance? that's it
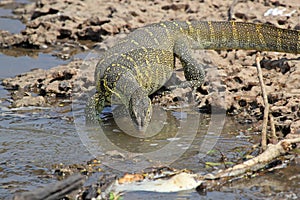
(194, 74)
(194, 77)
(193, 71)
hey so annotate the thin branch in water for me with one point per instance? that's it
(258, 162)
(53, 191)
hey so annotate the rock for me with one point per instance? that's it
(29, 101)
(56, 82)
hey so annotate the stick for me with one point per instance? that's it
(53, 191)
(259, 162)
(273, 130)
(230, 10)
(185, 181)
(265, 99)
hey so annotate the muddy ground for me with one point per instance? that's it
(72, 26)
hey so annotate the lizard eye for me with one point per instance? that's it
(149, 110)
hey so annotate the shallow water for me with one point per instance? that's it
(8, 20)
(33, 139)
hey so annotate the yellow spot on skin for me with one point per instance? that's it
(149, 32)
(279, 41)
(212, 31)
(144, 49)
(163, 25)
(130, 59)
(109, 89)
(147, 62)
(157, 59)
(191, 28)
(134, 42)
(234, 31)
(178, 26)
(248, 37)
(123, 67)
(260, 35)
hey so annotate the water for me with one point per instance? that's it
(33, 139)
(11, 66)
(8, 21)
(14, 26)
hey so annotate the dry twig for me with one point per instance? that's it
(53, 191)
(259, 162)
(267, 115)
(265, 99)
(273, 130)
(230, 10)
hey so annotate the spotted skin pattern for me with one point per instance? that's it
(140, 64)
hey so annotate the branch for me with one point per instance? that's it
(182, 180)
(230, 10)
(259, 162)
(53, 191)
(265, 98)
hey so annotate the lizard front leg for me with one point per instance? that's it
(193, 71)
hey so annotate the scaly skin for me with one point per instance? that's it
(141, 63)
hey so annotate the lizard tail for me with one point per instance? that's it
(240, 35)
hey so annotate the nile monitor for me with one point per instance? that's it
(140, 64)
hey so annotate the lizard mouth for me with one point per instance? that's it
(142, 129)
(141, 126)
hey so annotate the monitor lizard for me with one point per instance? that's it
(141, 63)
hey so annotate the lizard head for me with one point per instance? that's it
(140, 109)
